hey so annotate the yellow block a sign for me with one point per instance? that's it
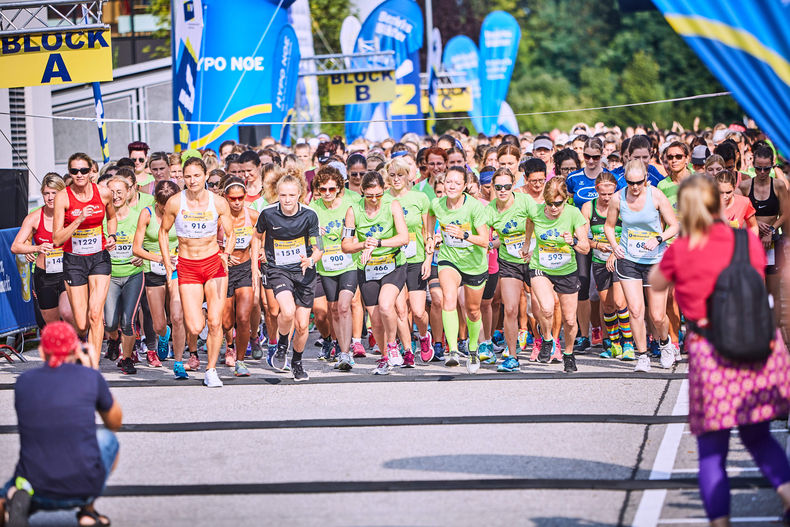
(58, 57)
(362, 87)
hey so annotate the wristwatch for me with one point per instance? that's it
(659, 238)
(378, 242)
(466, 235)
(114, 236)
(491, 246)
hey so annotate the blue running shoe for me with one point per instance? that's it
(498, 337)
(438, 352)
(163, 347)
(530, 339)
(179, 371)
(486, 353)
(270, 351)
(509, 365)
(653, 348)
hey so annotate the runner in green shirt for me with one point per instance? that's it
(376, 227)
(464, 232)
(560, 231)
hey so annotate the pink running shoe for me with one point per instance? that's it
(426, 348)
(408, 359)
(393, 355)
(557, 355)
(596, 338)
(153, 360)
(193, 363)
(535, 349)
(374, 348)
(358, 349)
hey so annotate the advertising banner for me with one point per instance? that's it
(355, 88)
(499, 39)
(307, 100)
(461, 55)
(58, 57)
(746, 47)
(16, 298)
(395, 25)
(449, 100)
(285, 78)
(187, 40)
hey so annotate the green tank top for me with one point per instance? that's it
(121, 255)
(151, 239)
(596, 232)
(381, 226)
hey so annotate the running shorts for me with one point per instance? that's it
(300, 285)
(518, 271)
(565, 284)
(78, 267)
(628, 270)
(490, 289)
(200, 271)
(603, 277)
(414, 280)
(47, 288)
(470, 280)
(346, 281)
(239, 276)
(370, 289)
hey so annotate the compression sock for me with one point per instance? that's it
(296, 356)
(624, 319)
(450, 323)
(282, 340)
(474, 328)
(612, 327)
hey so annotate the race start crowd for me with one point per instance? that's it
(454, 249)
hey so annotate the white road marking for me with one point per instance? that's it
(744, 519)
(729, 469)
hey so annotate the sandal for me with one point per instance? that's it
(97, 518)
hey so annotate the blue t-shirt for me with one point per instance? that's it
(56, 410)
(653, 176)
(581, 188)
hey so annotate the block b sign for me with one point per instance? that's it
(361, 87)
(57, 57)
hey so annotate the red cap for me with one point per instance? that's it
(58, 339)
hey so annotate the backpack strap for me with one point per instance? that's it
(741, 252)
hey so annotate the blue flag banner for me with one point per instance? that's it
(461, 55)
(500, 35)
(284, 82)
(395, 25)
(16, 296)
(745, 45)
(187, 39)
(507, 123)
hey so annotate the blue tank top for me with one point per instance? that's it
(639, 227)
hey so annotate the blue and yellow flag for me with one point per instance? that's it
(745, 45)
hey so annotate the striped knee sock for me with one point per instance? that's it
(624, 319)
(612, 327)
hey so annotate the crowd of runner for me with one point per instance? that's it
(456, 249)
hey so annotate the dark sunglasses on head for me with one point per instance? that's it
(676, 157)
(324, 190)
(75, 171)
(594, 158)
(555, 203)
(506, 186)
(635, 183)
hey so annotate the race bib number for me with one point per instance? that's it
(243, 237)
(770, 255)
(86, 241)
(334, 259)
(198, 224)
(450, 241)
(54, 261)
(554, 257)
(123, 247)
(159, 267)
(514, 243)
(410, 249)
(289, 251)
(597, 253)
(637, 241)
(735, 224)
(379, 266)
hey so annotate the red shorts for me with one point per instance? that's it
(200, 271)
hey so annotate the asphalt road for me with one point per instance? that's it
(426, 446)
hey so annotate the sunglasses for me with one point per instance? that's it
(234, 200)
(594, 158)
(676, 157)
(635, 183)
(374, 196)
(356, 174)
(209, 184)
(138, 159)
(506, 186)
(75, 171)
(324, 190)
(763, 169)
(555, 203)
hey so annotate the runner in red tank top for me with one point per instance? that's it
(80, 212)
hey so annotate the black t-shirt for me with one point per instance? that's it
(288, 237)
(56, 410)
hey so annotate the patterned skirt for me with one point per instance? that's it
(724, 394)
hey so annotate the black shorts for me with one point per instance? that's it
(78, 267)
(264, 280)
(513, 270)
(490, 289)
(239, 276)
(300, 285)
(628, 270)
(370, 288)
(346, 281)
(471, 280)
(318, 288)
(414, 280)
(564, 284)
(434, 273)
(603, 277)
(155, 280)
(47, 288)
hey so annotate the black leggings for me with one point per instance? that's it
(584, 262)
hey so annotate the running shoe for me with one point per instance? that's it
(628, 352)
(255, 349)
(163, 345)
(230, 357)
(452, 360)
(463, 347)
(510, 364)
(498, 339)
(345, 362)
(426, 349)
(241, 370)
(667, 354)
(438, 352)
(643, 363)
(193, 362)
(678, 356)
(271, 349)
(358, 349)
(569, 363)
(522, 338)
(211, 380)
(280, 358)
(546, 349)
(506, 351)
(473, 362)
(556, 354)
(326, 349)
(530, 339)
(581, 344)
(408, 359)
(596, 337)
(617, 350)
(298, 371)
(374, 348)
(137, 351)
(319, 342)
(153, 359)
(382, 367)
(113, 349)
(179, 371)
(127, 366)
(395, 358)
(486, 353)
(653, 348)
(335, 354)
(536, 349)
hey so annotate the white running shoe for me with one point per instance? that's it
(643, 363)
(345, 362)
(667, 355)
(211, 379)
(473, 362)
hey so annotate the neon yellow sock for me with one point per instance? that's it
(450, 322)
(474, 332)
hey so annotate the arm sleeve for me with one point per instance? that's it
(104, 397)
